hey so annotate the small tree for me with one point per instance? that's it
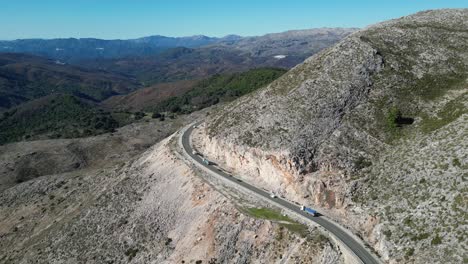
(393, 115)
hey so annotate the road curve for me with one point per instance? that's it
(361, 252)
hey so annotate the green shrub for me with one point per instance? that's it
(361, 163)
(456, 162)
(409, 252)
(219, 88)
(392, 116)
(62, 116)
(436, 240)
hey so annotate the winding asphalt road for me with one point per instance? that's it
(355, 246)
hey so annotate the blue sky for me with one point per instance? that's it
(110, 19)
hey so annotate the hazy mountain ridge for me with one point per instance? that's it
(73, 50)
(280, 50)
(290, 43)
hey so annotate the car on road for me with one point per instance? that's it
(272, 195)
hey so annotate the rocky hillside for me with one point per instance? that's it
(372, 131)
(135, 207)
(293, 43)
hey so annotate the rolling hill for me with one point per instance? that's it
(184, 97)
(54, 116)
(26, 77)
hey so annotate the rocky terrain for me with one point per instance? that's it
(293, 43)
(135, 206)
(23, 161)
(371, 131)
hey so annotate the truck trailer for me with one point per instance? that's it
(309, 210)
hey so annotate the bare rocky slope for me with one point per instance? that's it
(150, 209)
(125, 198)
(371, 131)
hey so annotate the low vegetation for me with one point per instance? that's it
(219, 88)
(57, 116)
(283, 220)
(25, 77)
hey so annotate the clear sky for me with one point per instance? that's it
(110, 19)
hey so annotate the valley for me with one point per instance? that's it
(324, 145)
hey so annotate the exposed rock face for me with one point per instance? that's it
(326, 132)
(151, 210)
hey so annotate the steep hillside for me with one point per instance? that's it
(191, 95)
(372, 131)
(25, 77)
(218, 89)
(147, 97)
(149, 209)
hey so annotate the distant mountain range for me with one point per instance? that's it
(72, 50)
(57, 88)
(230, 54)
(26, 77)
